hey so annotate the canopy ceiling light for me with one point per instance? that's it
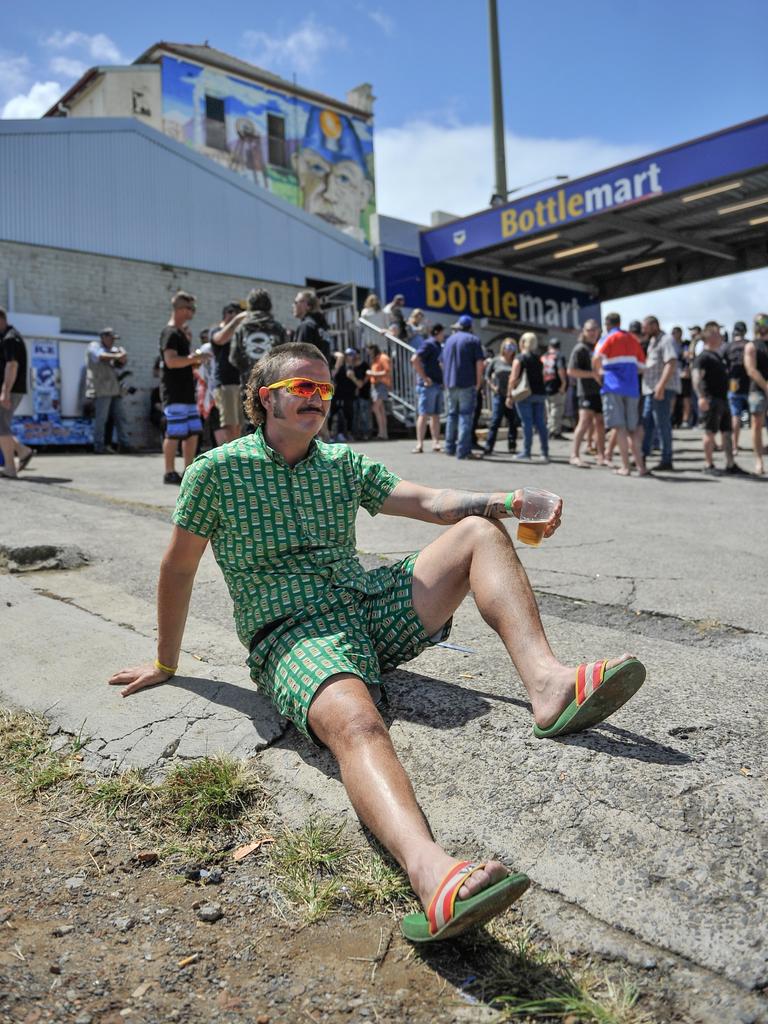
(715, 190)
(563, 253)
(537, 241)
(735, 207)
(645, 263)
(759, 220)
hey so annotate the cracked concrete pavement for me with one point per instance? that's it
(645, 836)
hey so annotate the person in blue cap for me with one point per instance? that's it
(333, 172)
(463, 370)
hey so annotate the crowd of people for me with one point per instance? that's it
(620, 390)
(200, 390)
(620, 393)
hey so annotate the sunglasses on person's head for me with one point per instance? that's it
(303, 387)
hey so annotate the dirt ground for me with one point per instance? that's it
(89, 933)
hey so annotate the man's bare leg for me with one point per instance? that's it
(421, 432)
(189, 449)
(344, 718)
(600, 436)
(586, 418)
(170, 445)
(8, 448)
(757, 441)
(623, 443)
(477, 554)
(636, 444)
(434, 429)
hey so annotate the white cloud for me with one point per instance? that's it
(35, 102)
(726, 299)
(68, 67)
(298, 51)
(98, 47)
(14, 74)
(424, 165)
(385, 23)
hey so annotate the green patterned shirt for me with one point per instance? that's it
(282, 536)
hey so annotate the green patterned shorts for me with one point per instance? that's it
(350, 632)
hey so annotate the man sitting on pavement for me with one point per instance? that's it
(279, 509)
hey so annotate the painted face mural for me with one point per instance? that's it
(332, 171)
(311, 156)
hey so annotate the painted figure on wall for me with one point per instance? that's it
(312, 156)
(332, 172)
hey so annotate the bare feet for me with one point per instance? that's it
(621, 471)
(576, 461)
(552, 695)
(426, 877)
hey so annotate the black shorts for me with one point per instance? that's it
(718, 416)
(592, 402)
(685, 387)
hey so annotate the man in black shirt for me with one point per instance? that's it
(588, 394)
(710, 379)
(313, 329)
(177, 386)
(227, 393)
(13, 387)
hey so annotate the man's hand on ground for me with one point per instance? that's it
(138, 678)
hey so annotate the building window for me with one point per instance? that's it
(138, 103)
(215, 123)
(277, 149)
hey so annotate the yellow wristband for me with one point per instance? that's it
(508, 503)
(164, 668)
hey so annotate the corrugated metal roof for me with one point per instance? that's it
(117, 187)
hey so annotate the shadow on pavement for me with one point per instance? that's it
(247, 700)
(609, 739)
(27, 479)
(486, 971)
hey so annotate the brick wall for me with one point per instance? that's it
(88, 292)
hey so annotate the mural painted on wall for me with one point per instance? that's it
(312, 156)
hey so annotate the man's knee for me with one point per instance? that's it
(479, 530)
(343, 715)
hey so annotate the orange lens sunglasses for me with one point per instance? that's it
(303, 387)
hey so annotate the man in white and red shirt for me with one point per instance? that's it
(619, 359)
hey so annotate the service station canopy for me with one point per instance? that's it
(683, 214)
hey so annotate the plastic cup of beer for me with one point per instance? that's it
(535, 512)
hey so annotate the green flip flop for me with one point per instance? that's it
(446, 916)
(599, 692)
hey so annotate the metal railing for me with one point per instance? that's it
(403, 391)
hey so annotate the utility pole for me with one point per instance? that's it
(500, 159)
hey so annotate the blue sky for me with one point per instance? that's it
(585, 85)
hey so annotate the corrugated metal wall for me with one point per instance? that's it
(116, 187)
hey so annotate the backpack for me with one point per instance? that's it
(549, 366)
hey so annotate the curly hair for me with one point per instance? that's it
(271, 368)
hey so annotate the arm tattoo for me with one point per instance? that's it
(453, 506)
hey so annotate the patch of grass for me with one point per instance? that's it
(212, 793)
(25, 752)
(319, 869)
(189, 809)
